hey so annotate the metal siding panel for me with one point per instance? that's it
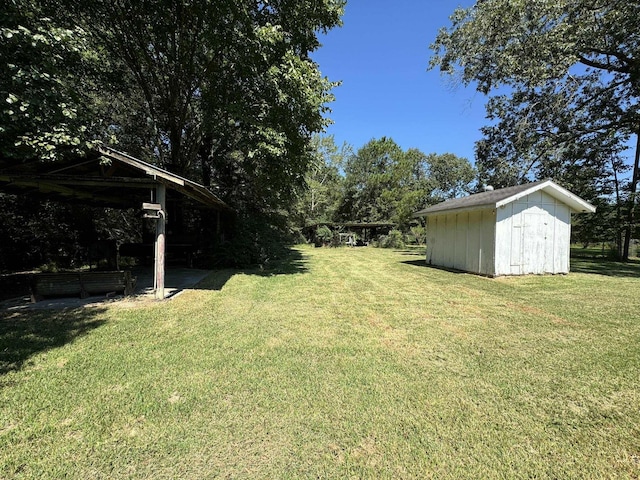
(538, 235)
(460, 252)
(432, 239)
(533, 245)
(438, 240)
(516, 253)
(473, 245)
(504, 220)
(491, 231)
(547, 199)
(442, 240)
(451, 240)
(562, 239)
(487, 245)
(535, 198)
(550, 237)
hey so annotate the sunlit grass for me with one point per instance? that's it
(344, 363)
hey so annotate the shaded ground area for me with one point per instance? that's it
(22, 336)
(292, 263)
(14, 289)
(176, 280)
(606, 267)
(591, 261)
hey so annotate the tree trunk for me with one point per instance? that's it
(619, 231)
(632, 201)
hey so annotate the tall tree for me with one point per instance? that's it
(573, 68)
(384, 183)
(228, 86)
(320, 199)
(223, 92)
(369, 182)
(451, 175)
(224, 89)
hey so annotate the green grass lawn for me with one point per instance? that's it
(342, 363)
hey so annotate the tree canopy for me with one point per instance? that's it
(566, 82)
(324, 181)
(384, 183)
(221, 90)
(44, 65)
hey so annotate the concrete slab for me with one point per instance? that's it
(176, 281)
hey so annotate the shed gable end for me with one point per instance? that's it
(532, 236)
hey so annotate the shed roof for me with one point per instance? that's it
(504, 196)
(104, 177)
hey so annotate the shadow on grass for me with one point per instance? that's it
(294, 262)
(412, 251)
(24, 334)
(605, 267)
(578, 265)
(423, 263)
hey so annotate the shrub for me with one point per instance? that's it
(417, 235)
(336, 241)
(392, 240)
(324, 235)
(255, 241)
(613, 252)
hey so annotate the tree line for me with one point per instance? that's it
(226, 93)
(380, 182)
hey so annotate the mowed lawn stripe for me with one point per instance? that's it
(341, 363)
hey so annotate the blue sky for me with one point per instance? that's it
(381, 55)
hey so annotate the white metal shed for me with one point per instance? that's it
(518, 230)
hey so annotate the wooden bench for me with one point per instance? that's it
(82, 284)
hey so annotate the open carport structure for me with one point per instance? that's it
(109, 178)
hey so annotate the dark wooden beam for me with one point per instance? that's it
(62, 191)
(84, 181)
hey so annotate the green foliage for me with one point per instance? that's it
(224, 92)
(336, 240)
(323, 235)
(394, 239)
(369, 182)
(570, 69)
(502, 42)
(43, 67)
(417, 235)
(36, 234)
(451, 175)
(319, 200)
(229, 89)
(257, 240)
(383, 183)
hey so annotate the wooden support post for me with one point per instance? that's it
(161, 198)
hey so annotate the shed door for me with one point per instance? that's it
(535, 232)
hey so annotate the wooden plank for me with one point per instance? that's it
(80, 284)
